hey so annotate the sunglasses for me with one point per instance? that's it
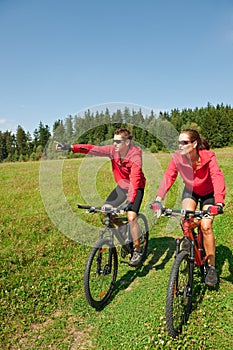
(184, 142)
(118, 141)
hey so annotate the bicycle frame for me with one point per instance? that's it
(109, 229)
(188, 224)
(111, 224)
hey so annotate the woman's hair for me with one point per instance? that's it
(195, 136)
(125, 133)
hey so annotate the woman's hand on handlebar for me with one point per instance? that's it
(215, 209)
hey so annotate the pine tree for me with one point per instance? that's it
(21, 142)
(44, 135)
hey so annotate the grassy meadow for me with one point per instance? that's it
(41, 268)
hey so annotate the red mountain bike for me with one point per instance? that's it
(190, 252)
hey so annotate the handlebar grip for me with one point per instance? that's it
(83, 206)
(93, 209)
(90, 208)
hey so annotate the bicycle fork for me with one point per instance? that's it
(191, 269)
(189, 246)
(107, 268)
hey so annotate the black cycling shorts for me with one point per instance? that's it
(119, 195)
(208, 199)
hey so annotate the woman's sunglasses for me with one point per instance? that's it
(184, 142)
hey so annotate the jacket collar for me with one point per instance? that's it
(204, 156)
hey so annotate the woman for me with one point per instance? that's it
(204, 183)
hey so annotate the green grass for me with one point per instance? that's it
(41, 271)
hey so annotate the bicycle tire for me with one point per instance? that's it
(100, 273)
(179, 294)
(203, 267)
(144, 234)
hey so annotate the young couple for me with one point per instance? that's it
(197, 165)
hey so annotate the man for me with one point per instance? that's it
(127, 170)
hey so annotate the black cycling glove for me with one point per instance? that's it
(63, 146)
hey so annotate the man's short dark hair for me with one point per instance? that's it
(125, 133)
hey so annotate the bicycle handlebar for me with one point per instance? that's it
(103, 209)
(185, 212)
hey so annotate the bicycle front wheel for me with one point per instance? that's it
(100, 273)
(179, 294)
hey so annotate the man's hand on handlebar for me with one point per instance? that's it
(126, 206)
(158, 208)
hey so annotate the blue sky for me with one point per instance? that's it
(60, 57)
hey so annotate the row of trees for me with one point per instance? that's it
(155, 132)
(22, 146)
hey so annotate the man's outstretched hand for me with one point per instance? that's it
(62, 146)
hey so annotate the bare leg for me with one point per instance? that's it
(134, 229)
(189, 204)
(209, 240)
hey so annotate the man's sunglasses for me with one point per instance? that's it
(118, 141)
(184, 142)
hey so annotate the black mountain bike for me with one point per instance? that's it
(102, 264)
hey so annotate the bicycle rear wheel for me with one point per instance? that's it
(179, 294)
(144, 234)
(100, 273)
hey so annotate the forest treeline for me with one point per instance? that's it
(154, 132)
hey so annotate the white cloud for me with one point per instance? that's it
(7, 125)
